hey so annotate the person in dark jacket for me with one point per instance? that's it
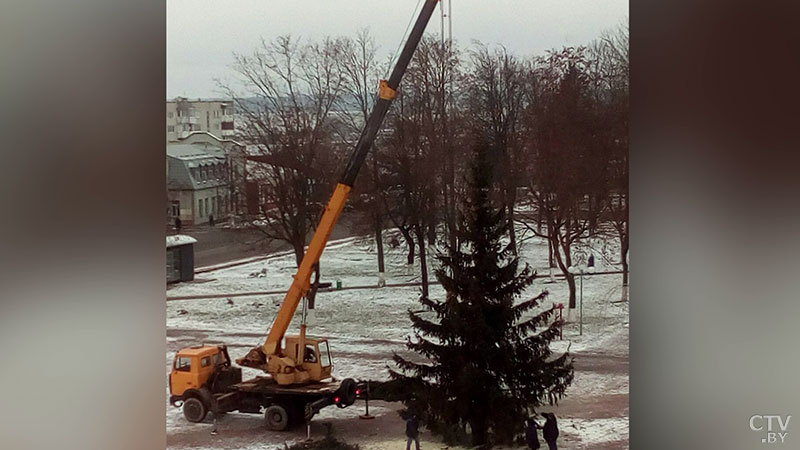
(412, 431)
(178, 224)
(550, 430)
(532, 434)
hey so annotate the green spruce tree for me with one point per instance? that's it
(486, 357)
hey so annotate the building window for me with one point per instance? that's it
(175, 208)
(200, 207)
(213, 205)
(170, 128)
(206, 205)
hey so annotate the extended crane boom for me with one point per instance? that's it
(270, 357)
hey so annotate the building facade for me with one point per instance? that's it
(197, 184)
(212, 115)
(235, 156)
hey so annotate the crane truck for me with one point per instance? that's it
(299, 381)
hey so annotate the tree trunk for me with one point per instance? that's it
(479, 431)
(623, 237)
(423, 263)
(299, 252)
(539, 211)
(410, 242)
(450, 208)
(512, 234)
(571, 282)
(549, 253)
(565, 261)
(379, 245)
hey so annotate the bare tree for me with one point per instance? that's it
(569, 163)
(421, 166)
(496, 101)
(361, 71)
(610, 67)
(288, 91)
(408, 195)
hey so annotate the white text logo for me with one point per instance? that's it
(774, 426)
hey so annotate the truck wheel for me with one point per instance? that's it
(276, 418)
(194, 410)
(347, 391)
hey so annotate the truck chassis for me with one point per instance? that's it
(284, 407)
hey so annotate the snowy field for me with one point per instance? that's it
(365, 326)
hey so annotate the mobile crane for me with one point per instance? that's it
(299, 381)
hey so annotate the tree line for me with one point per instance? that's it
(555, 126)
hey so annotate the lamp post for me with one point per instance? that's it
(580, 270)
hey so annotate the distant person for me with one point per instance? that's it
(178, 224)
(550, 430)
(412, 431)
(394, 243)
(211, 220)
(532, 434)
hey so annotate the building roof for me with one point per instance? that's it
(183, 159)
(200, 100)
(187, 152)
(199, 136)
(179, 239)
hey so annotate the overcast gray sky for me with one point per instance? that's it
(202, 34)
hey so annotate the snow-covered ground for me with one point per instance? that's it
(365, 326)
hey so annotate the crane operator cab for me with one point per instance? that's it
(290, 365)
(316, 359)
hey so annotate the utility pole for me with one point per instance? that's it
(450, 20)
(448, 36)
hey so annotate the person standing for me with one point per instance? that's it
(550, 430)
(177, 224)
(532, 434)
(412, 431)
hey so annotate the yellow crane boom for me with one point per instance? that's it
(287, 367)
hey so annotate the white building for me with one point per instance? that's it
(197, 183)
(185, 116)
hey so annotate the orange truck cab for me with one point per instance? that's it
(193, 367)
(197, 374)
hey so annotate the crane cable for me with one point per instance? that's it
(403, 40)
